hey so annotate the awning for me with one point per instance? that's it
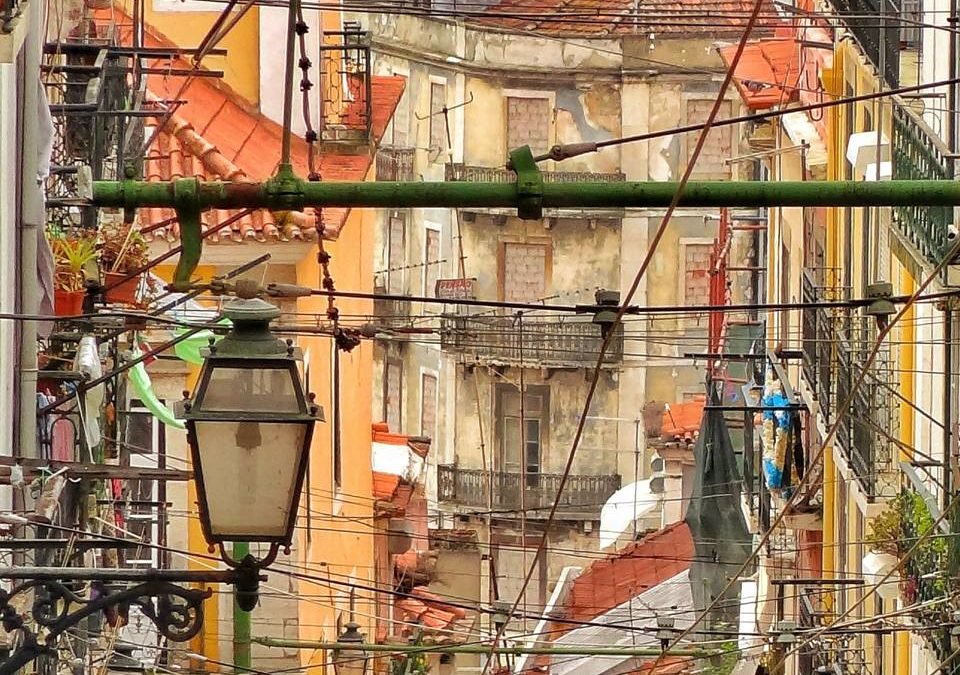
(862, 149)
(800, 129)
(768, 72)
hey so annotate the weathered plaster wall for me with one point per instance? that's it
(597, 452)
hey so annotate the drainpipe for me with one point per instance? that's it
(952, 22)
(241, 621)
(947, 404)
(33, 218)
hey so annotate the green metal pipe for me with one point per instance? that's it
(289, 193)
(479, 649)
(242, 659)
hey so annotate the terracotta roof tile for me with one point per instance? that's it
(217, 135)
(768, 73)
(682, 420)
(432, 613)
(385, 485)
(638, 567)
(599, 18)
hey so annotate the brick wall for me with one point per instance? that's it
(718, 147)
(524, 272)
(696, 274)
(528, 123)
(431, 269)
(438, 128)
(428, 405)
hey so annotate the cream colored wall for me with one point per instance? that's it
(186, 24)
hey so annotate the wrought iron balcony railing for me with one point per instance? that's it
(395, 163)
(345, 66)
(473, 174)
(390, 313)
(919, 154)
(544, 341)
(472, 487)
(819, 331)
(876, 26)
(869, 426)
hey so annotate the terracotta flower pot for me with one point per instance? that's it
(120, 292)
(67, 303)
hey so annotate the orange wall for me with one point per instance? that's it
(241, 65)
(340, 549)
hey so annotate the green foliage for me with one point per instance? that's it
(72, 251)
(413, 663)
(886, 529)
(723, 663)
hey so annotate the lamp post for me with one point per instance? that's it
(351, 660)
(249, 426)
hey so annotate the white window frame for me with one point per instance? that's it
(684, 242)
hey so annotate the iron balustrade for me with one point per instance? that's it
(390, 313)
(346, 113)
(514, 490)
(395, 163)
(557, 341)
(875, 24)
(491, 174)
(918, 153)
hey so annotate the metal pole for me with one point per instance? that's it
(948, 458)
(288, 81)
(241, 620)
(105, 574)
(480, 649)
(291, 193)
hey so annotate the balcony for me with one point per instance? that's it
(868, 429)
(395, 163)
(390, 313)
(919, 154)
(487, 174)
(347, 105)
(543, 342)
(863, 19)
(818, 333)
(472, 487)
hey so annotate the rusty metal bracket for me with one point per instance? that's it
(529, 184)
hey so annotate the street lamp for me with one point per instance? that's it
(353, 659)
(249, 426)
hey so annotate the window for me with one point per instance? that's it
(428, 405)
(696, 274)
(523, 432)
(392, 392)
(528, 123)
(400, 123)
(524, 271)
(785, 273)
(711, 164)
(431, 261)
(438, 121)
(396, 252)
(144, 447)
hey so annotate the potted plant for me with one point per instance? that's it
(123, 252)
(885, 542)
(73, 252)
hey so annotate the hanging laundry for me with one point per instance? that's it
(778, 427)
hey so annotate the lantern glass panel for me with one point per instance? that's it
(250, 472)
(232, 389)
(350, 662)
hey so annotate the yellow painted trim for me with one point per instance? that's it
(829, 508)
(907, 358)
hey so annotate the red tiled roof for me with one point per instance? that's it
(432, 613)
(638, 567)
(599, 18)
(682, 420)
(768, 72)
(216, 134)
